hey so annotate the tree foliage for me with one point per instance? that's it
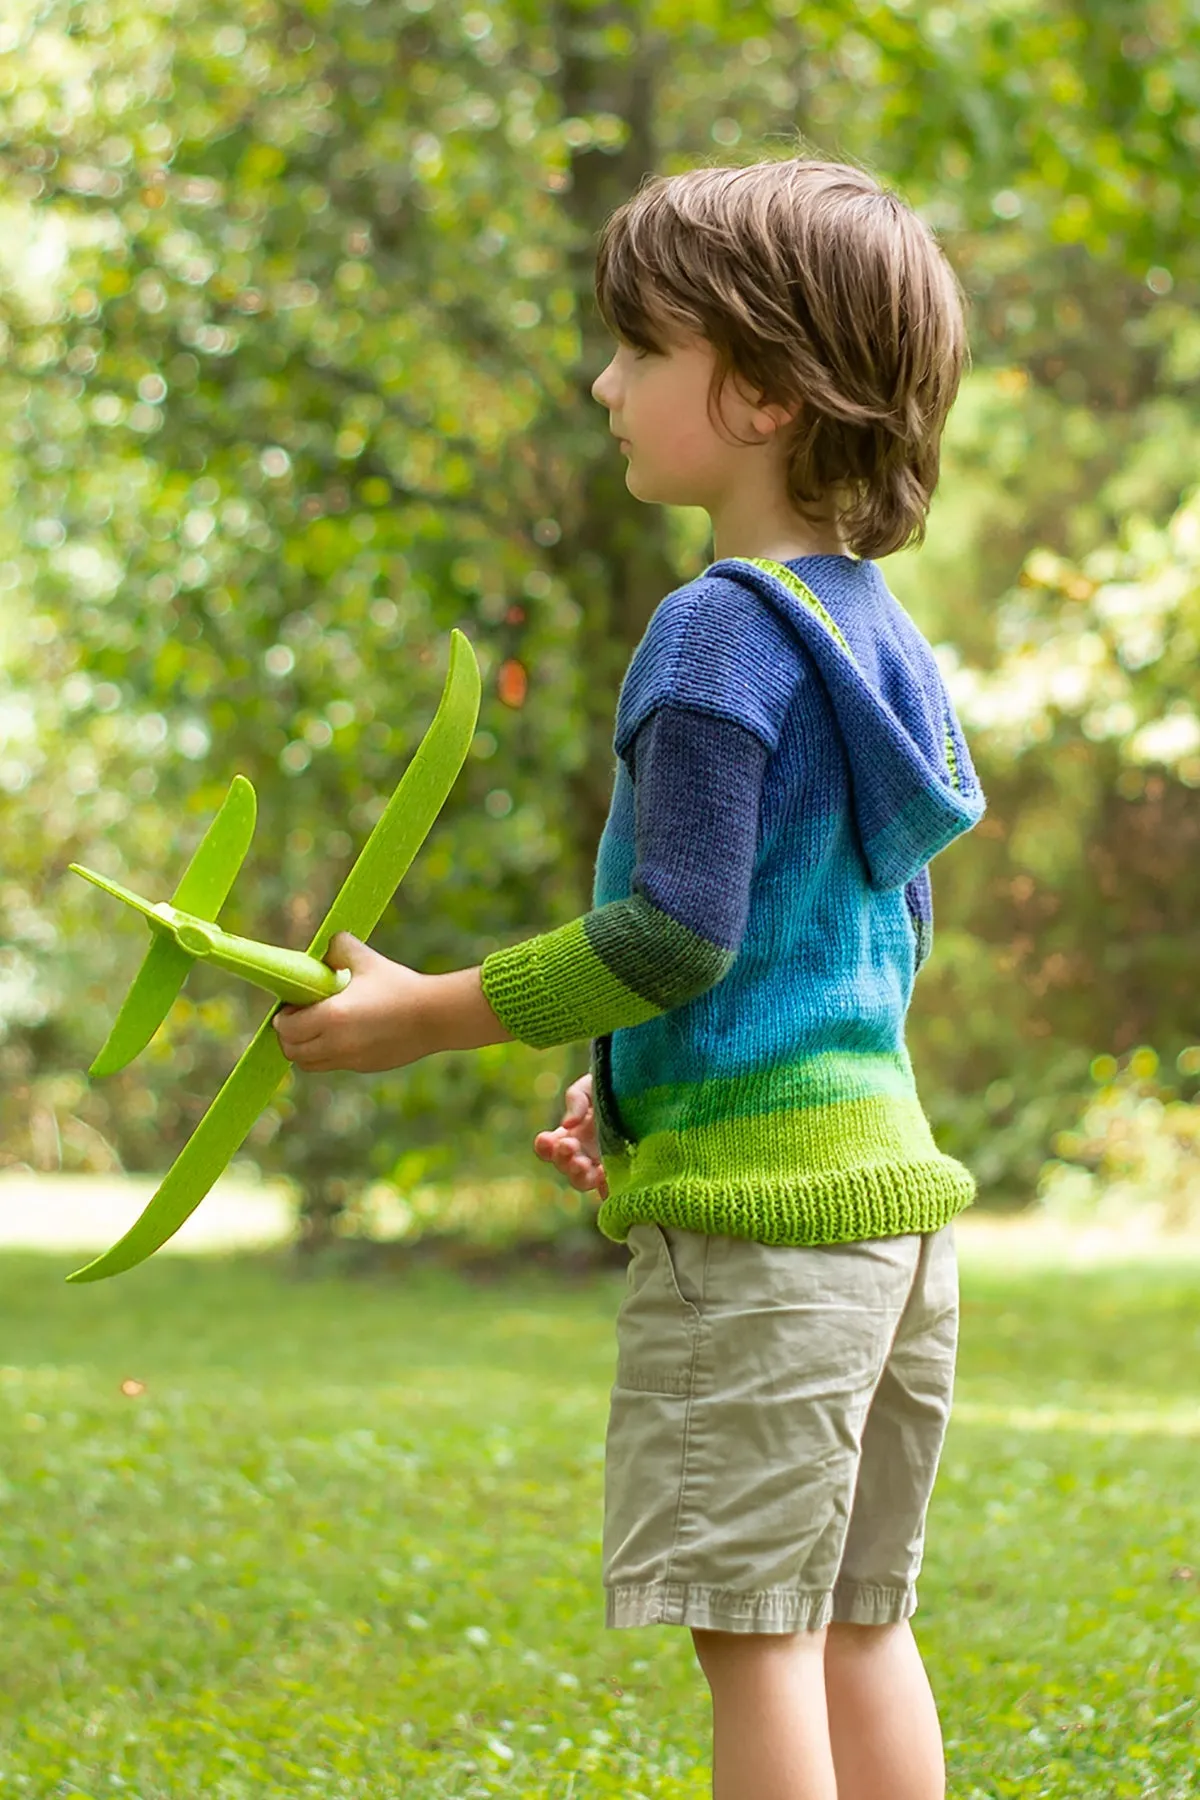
(297, 341)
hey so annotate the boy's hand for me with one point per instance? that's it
(378, 1022)
(573, 1146)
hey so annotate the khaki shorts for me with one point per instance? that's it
(777, 1420)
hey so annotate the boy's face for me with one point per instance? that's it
(658, 404)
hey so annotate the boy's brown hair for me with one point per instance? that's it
(815, 286)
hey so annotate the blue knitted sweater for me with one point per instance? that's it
(788, 762)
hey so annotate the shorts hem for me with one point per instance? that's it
(775, 1611)
(716, 1609)
(858, 1603)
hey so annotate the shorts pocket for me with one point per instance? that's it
(686, 1256)
(656, 1326)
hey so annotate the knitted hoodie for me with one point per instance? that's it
(788, 763)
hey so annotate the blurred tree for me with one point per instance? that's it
(1081, 893)
(279, 414)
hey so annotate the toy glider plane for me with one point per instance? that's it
(185, 931)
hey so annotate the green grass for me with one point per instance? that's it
(347, 1541)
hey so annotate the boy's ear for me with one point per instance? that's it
(772, 416)
(767, 417)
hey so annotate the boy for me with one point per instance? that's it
(790, 340)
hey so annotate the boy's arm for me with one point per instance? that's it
(697, 791)
(458, 1014)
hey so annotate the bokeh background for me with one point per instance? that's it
(296, 342)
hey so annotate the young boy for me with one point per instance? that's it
(790, 340)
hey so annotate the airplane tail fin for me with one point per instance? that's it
(146, 1005)
(202, 891)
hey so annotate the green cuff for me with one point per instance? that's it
(516, 988)
(554, 989)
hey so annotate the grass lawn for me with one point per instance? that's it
(345, 1540)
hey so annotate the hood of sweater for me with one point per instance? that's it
(913, 783)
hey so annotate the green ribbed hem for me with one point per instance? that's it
(837, 1206)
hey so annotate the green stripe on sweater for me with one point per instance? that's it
(831, 1077)
(559, 987)
(653, 954)
(781, 1146)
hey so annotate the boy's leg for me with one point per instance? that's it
(770, 1729)
(883, 1723)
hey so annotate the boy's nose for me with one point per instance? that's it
(600, 390)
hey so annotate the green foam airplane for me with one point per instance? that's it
(185, 930)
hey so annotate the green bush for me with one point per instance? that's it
(1133, 1151)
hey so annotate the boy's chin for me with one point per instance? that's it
(655, 493)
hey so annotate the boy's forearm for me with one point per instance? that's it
(458, 1015)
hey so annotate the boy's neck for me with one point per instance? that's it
(743, 529)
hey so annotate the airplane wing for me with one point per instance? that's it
(381, 865)
(255, 1077)
(203, 888)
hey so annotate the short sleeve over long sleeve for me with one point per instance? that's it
(715, 647)
(696, 726)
